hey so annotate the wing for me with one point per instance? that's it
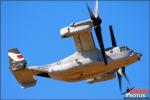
(81, 32)
(84, 41)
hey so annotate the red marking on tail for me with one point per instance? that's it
(19, 56)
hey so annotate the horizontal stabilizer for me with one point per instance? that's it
(25, 77)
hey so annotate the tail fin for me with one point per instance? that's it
(16, 60)
(18, 67)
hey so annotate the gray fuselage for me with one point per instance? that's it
(85, 65)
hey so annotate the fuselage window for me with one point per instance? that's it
(111, 51)
(58, 63)
(120, 50)
(76, 60)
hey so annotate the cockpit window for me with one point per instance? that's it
(123, 48)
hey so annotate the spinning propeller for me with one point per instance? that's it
(121, 71)
(97, 28)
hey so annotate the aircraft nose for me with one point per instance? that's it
(140, 55)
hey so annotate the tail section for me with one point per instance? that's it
(18, 67)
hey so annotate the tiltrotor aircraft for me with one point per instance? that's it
(87, 63)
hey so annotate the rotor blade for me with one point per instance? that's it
(100, 41)
(119, 81)
(97, 21)
(113, 40)
(96, 9)
(124, 74)
(90, 12)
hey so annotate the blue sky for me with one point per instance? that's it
(33, 28)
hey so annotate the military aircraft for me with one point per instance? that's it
(87, 63)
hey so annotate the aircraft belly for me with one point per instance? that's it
(81, 72)
(87, 71)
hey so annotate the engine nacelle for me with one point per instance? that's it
(76, 28)
(104, 77)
